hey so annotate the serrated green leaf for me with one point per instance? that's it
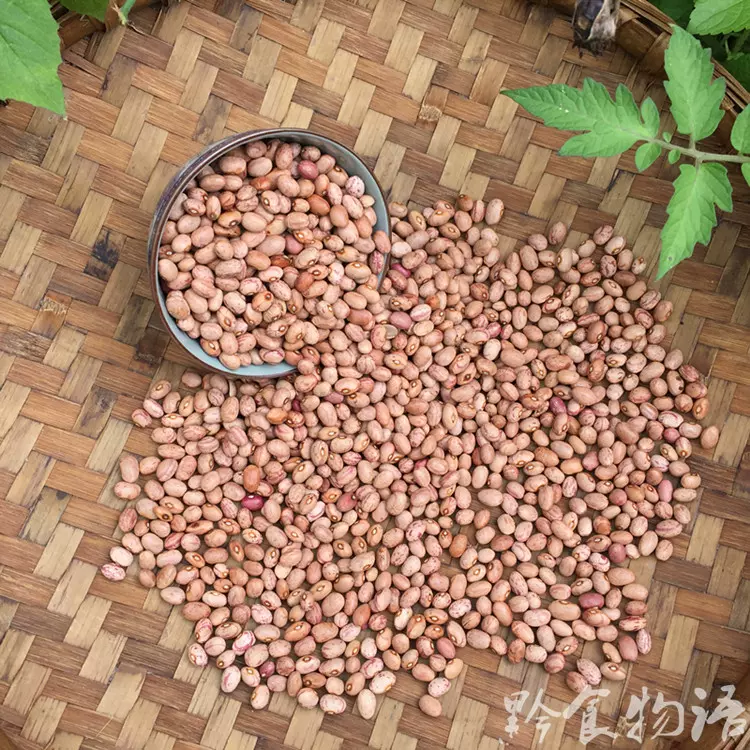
(739, 67)
(559, 105)
(597, 144)
(95, 8)
(613, 125)
(597, 100)
(691, 211)
(646, 155)
(650, 115)
(625, 105)
(30, 54)
(696, 99)
(746, 173)
(719, 17)
(673, 157)
(677, 10)
(741, 132)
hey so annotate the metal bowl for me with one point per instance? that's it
(347, 159)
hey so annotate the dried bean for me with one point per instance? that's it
(537, 383)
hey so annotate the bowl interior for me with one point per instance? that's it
(345, 158)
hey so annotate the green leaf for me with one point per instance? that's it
(650, 114)
(673, 157)
(30, 54)
(746, 173)
(691, 211)
(720, 17)
(667, 137)
(94, 8)
(597, 144)
(677, 10)
(739, 67)
(696, 100)
(741, 131)
(625, 105)
(646, 155)
(559, 105)
(613, 125)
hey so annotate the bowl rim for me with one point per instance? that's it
(177, 185)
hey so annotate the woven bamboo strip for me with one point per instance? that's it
(414, 86)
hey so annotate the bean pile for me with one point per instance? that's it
(259, 248)
(472, 462)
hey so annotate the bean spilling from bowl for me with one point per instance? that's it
(474, 461)
(261, 250)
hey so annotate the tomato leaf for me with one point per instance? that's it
(650, 114)
(673, 157)
(719, 17)
(696, 98)
(741, 131)
(559, 105)
(691, 211)
(746, 173)
(94, 8)
(593, 144)
(646, 155)
(612, 126)
(30, 54)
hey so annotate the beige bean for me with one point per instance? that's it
(430, 706)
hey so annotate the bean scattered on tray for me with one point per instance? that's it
(472, 459)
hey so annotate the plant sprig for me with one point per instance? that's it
(30, 48)
(612, 126)
(721, 25)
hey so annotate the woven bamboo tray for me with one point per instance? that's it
(413, 87)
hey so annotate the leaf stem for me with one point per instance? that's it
(739, 43)
(123, 11)
(697, 154)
